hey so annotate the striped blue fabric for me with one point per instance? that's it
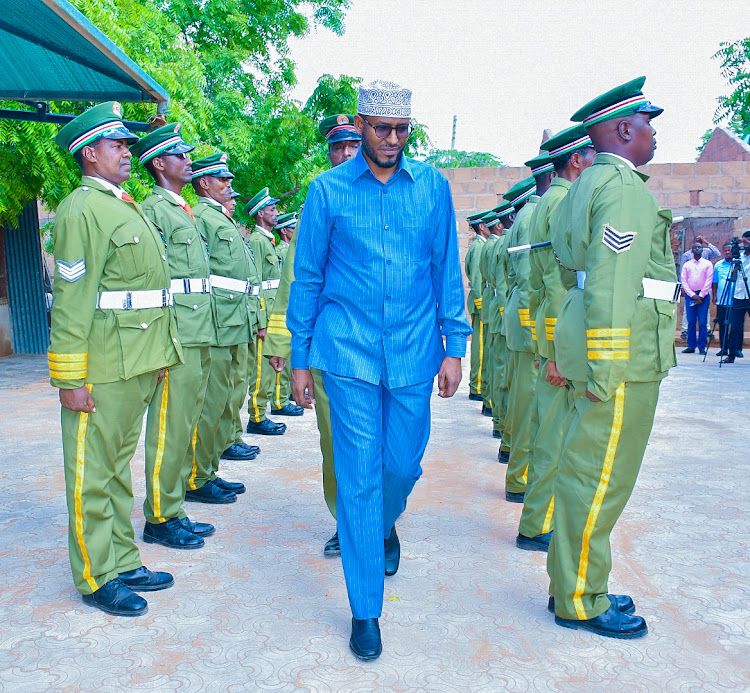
(377, 275)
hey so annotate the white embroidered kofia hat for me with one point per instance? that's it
(382, 98)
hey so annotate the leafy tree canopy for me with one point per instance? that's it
(454, 158)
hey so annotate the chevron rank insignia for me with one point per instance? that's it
(71, 272)
(614, 240)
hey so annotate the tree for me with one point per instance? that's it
(454, 158)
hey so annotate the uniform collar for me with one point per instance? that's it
(116, 189)
(617, 160)
(169, 194)
(214, 203)
(265, 232)
(561, 182)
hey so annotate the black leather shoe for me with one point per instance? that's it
(728, 359)
(392, 553)
(537, 543)
(201, 529)
(514, 497)
(241, 452)
(172, 535)
(332, 547)
(723, 352)
(621, 602)
(688, 351)
(702, 352)
(503, 456)
(232, 486)
(210, 493)
(496, 433)
(487, 411)
(144, 580)
(115, 598)
(266, 428)
(611, 624)
(365, 641)
(475, 397)
(289, 410)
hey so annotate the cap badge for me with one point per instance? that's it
(342, 120)
(223, 158)
(117, 109)
(177, 127)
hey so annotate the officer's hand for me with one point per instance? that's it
(592, 396)
(536, 363)
(554, 377)
(79, 399)
(303, 387)
(262, 333)
(449, 376)
(277, 363)
(160, 377)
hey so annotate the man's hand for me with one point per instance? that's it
(262, 332)
(79, 399)
(449, 376)
(278, 363)
(700, 239)
(303, 387)
(160, 376)
(592, 396)
(554, 377)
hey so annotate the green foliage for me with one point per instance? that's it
(704, 141)
(454, 158)
(735, 68)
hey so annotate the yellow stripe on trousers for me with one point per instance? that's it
(155, 484)
(547, 525)
(259, 343)
(596, 506)
(194, 470)
(481, 356)
(278, 390)
(83, 421)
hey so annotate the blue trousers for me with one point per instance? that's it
(699, 313)
(379, 438)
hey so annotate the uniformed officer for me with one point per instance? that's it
(484, 314)
(112, 334)
(262, 207)
(175, 408)
(571, 152)
(474, 303)
(235, 292)
(519, 330)
(614, 342)
(343, 144)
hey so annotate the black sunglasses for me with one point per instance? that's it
(383, 131)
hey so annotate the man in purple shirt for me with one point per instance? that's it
(697, 276)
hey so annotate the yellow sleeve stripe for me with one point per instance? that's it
(609, 332)
(528, 323)
(608, 344)
(502, 309)
(477, 302)
(67, 358)
(550, 321)
(524, 311)
(68, 367)
(279, 332)
(609, 355)
(276, 319)
(67, 375)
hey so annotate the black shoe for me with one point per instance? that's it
(683, 334)
(621, 602)
(266, 428)
(728, 359)
(503, 456)
(723, 352)
(486, 411)
(332, 547)
(496, 433)
(116, 598)
(392, 553)
(514, 497)
(144, 580)
(688, 351)
(236, 487)
(210, 493)
(739, 354)
(702, 352)
(537, 543)
(240, 451)
(612, 624)
(201, 529)
(365, 641)
(289, 410)
(475, 397)
(172, 535)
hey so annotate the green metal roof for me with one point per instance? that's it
(50, 52)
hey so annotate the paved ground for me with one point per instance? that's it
(260, 608)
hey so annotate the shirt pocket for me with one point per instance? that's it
(414, 242)
(667, 322)
(352, 241)
(139, 333)
(186, 251)
(230, 308)
(226, 244)
(129, 252)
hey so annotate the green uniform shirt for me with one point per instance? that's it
(471, 266)
(610, 226)
(282, 248)
(105, 244)
(269, 263)
(499, 283)
(188, 259)
(278, 337)
(483, 271)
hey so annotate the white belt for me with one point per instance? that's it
(134, 300)
(652, 288)
(190, 286)
(270, 284)
(237, 285)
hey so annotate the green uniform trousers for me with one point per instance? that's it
(279, 395)
(601, 457)
(216, 424)
(323, 415)
(520, 401)
(476, 384)
(500, 386)
(261, 379)
(485, 370)
(551, 415)
(97, 449)
(172, 417)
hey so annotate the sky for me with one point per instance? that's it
(508, 69)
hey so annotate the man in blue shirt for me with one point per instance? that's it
(722, 302)
(377, 288)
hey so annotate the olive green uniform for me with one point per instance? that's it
(499, 354)
(103, 244)
(262, 377)
(474, 306)
(484, 315)
(609, 225)
(237, 315)
(520, 333)
(281, 389)
(174, 410)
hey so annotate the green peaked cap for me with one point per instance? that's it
(338, 128)
(101, 121)
(521, 191)
(214, 165)
(164, 140)
(285, 220)
(616, 103)
(567, 140)
(476, 218)
(540, 165)
(262, 199)
(504, 209)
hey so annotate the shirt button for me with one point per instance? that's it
(386, 332)
(190, 240)
(231, 238)
(388, 297)
(136, 239)
(231, 296)
(387, 262)
(174, 339)
(386, 227)
(164, 257)
(144, 325)
(385, 192)
(195, 306)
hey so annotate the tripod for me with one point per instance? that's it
(727, 297)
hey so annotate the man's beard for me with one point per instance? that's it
(373, 156)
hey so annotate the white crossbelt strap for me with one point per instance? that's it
(652, 288)
(270, 284)
(134, 300)
(229, 284)
(190, 286)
